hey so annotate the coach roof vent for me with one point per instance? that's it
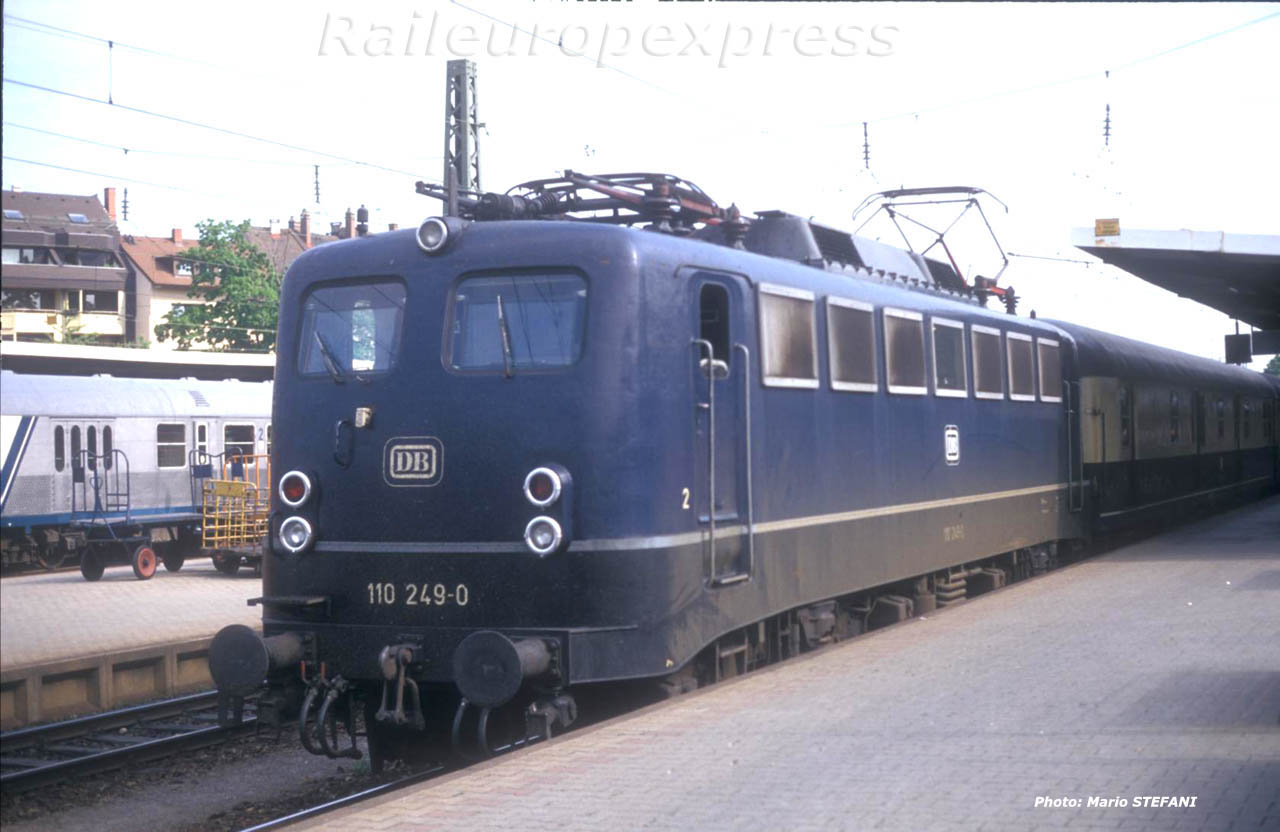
(198, 398)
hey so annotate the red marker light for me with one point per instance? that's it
(295, 487)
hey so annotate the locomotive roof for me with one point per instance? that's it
(105, 396)
(1103, 354)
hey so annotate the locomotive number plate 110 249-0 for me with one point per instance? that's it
(385, 593)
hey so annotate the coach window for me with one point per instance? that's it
(237, 440)
(1050, 370)
(171, 445)
(851, 345)
(1126, 415)
(76, 462)
(1246, 415)
(1268, 421)
(106, 447)
(202, 438)
(1175, 416)
(987, 380)
(1222, 419)
(949, 376)
(788, 336)
(59, 448)
(1021, 375)
(91, 440)
(713, 320)
(268, 440)
(904, 351)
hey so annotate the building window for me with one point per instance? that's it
(28, 299)
(101, 302)
(904, 351)
(171, 445)
(1050, 370)
(1022, 386)
(17, 255)
(13, 214)
(237, 441)
(183, 268)
(788, 337)
(988, 382)
(59, 448)
(79, 219)
(851, 345)
(949, 375)
(90, 257)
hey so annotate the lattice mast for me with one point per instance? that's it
(461, 133)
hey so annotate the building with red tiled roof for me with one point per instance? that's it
(163, 276)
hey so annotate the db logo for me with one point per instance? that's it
(413, 461)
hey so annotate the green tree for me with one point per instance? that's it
(1273, 366)
(240, 292)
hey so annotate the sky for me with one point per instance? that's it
(760, 104)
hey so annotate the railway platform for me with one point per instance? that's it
(70, 647)
(1136, 690)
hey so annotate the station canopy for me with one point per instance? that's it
(1238, 274)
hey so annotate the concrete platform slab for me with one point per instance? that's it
(68, 646)
(1148, 674)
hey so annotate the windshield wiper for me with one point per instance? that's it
(508, 361)
(330, 362)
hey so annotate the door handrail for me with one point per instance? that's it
(701, 343)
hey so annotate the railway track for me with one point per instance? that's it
(44, 754)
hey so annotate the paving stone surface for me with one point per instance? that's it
(55, 616)
(1153, 671)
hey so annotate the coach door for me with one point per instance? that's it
(721, 365)
(87, 476)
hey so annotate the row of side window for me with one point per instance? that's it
(789, 343)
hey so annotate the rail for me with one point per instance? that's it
(44, 754)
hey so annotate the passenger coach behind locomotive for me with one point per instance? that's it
(517, 457)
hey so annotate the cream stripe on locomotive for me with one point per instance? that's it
(686, 538)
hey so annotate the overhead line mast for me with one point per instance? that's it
(461, 133)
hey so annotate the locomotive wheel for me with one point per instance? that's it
(226, 564)
(144, 562)
(173, 561)
(91, 566)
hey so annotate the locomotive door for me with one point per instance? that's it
(722, 384)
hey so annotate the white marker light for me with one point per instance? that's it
(295, 534)
(542, 536)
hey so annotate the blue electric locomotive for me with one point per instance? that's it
(519, 455)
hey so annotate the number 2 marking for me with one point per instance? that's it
(685, 504)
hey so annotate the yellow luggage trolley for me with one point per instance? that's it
(235, 504)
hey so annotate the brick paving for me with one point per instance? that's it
(1152, 671)
(55, 616)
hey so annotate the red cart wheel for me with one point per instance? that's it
(144, 562)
